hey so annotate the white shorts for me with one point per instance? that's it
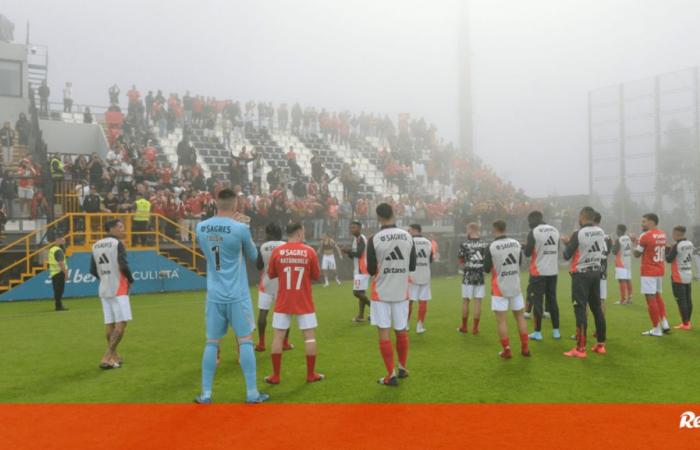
(473, 291)
(504, 303)
(419, 292)
(265, 300)
(652, 285)
(282, 321)
(360, 282)
(116, 309)
(622, 274)
(25, 193)
(389, 314)
(603, 289)
(328, 262)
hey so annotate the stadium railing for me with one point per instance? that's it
(82, 230)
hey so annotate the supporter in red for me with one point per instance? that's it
(197, 109)
(134, 95)
(361, 208)
(149, 153)
(165, 174)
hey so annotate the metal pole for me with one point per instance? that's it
(466, 138)
(696, 167)
(623, 168)
(657, 144)
(590, 147)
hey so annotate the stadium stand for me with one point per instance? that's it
(179, 151)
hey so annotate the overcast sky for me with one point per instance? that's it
(533, 61)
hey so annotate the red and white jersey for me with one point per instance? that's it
(424, 256)
(503, 261)
(266, 284)
(652, 246)
(391, 256)
(543, 243)
(296, 266)
(623, 253)
(681, 259)
(359, 262)
(110, 266)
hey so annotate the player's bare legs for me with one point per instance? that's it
(363, 301)
(262, 325)
(115, 339)
(310, 349)
(477, 316)
(328, 274)
(105, 362)
(629, 291)
(465, 316)
(114, 334)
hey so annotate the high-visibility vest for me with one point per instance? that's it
(54, 266)
(143, 210)
(58, 172)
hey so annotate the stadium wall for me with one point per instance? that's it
(11, 106)
(74, 138)
(152, 273)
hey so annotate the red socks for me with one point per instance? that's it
(465, 319)
(505, 342)
(402, 347)
(276, 364)
(623, 290)
(261, 341)
(653, 308)
(475, 326)
(660, 305)
(523, 341)
(422, 310)
(310, 366)
(387, 352)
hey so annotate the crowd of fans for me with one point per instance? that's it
(439, 185)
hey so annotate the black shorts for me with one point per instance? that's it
(585, 287)
(681, 291)
(539, 286)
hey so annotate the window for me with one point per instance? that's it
(10, 78)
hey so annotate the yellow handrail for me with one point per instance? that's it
(31, 234)
(93, 230)
(28, 257)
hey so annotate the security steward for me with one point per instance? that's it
(58, 270)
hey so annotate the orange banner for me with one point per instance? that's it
(348, 426)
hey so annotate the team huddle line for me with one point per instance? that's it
(394, 266)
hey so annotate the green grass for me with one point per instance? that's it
(53, 357)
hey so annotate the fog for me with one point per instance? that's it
(532, 62)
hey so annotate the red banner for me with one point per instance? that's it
(349, 426)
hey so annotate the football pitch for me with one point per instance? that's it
(53, 357)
